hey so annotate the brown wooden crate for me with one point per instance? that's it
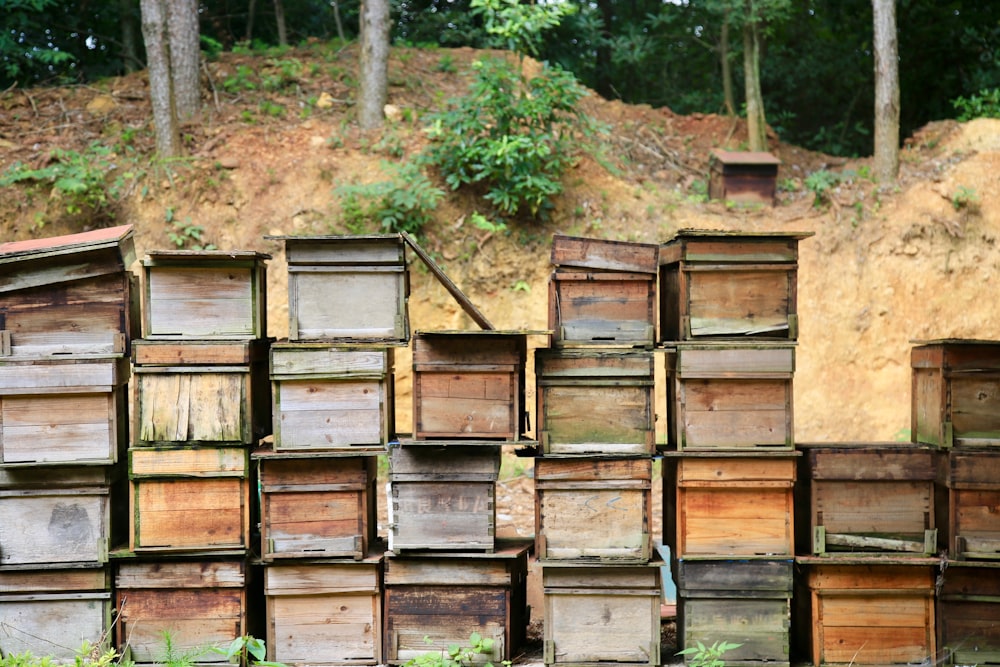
(740, 176)
(968, 614)
(602, 308)
(725, 578)
(604, 255)
(760, 627)
(970, 498)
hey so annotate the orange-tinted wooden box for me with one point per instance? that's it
(970, 514)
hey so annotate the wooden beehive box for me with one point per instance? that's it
(210, 392)
(189, 499)
(435, 601)
(969, 517)
(749, 177)
(469, 385)
(600, 615)
(595, 402)
(443, 498)
(316, 507)
(716, 284)
(602, 308)
(347, 288)
(324, 613)
(204, 294)
(729, 505)
(60, 517)
(865, 613)
(968, 614)
(68, 294)
(332, 397)
(956, 393)
(54, 612)
(66, 411)
(866, 497)
(201, 603)
(746, 602)
(729, 397)
(593, 509)
(604, 255)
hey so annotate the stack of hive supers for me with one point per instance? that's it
(728, 324)
(65, 328)
(200, 404)
(593, 475)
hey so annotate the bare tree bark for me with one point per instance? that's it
(336, 19)
(374, 79)
(251, 11)
(727, 67)
(756, 122)
(185, 56)
(130, 43)
(886, 159)
(279, 15)
(154, 32)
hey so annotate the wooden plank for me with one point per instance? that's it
(62, 376)
(320, 414)
(295, 361)
(194, 353)
(68, 428)
(201, 302)
(54, 625)
(735, 361)
(448, 515)
(44, 528)
(337, 305)
(463, 301)
(760, 627)
(196, 404)
(602, 308)
(604, 255)
(734, 521)
(729, 579)
(183, 514)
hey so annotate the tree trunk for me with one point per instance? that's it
(185, 56)
(603, 84)
(886, 92)
(279, 15)
(374, 63)
(251, 11)
(756, 123)
(727, 67)
(154, 33)
(130, 45)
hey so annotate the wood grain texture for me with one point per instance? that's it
(365, 304)
(602, 308)
(604, 255)
(204, 300)
(42, 527)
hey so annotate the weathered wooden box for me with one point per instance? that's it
(956, 393)
(593, 509)
(716, 284)
(969, 516)
(595, 402)
(53, 612)
(189, 499)
(325, 613)
(443, 498)
(968, 614)
(749, 177)
(316, 507)
(866, 497)
(434, 601)
(332, 397)
(863, 613)
(604, 255)
(728, 397)
(746, 602)
(66, 411)
(729, 505)
(205, 392)
(344, 288)
(602, 308)
(600, 615)
(469, 385)
(52, 517)
(204, 294)
(67, 294)
(201, 603)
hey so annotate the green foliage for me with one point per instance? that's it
(88, 655)
(446, 64)
(247, 651)
(820, 183)
(984, 104)
(186, 235)
(243, 79)
(401, 204)
(519, 26)
(965, 198)
(708, 656)
(24, 51)
(456, 655)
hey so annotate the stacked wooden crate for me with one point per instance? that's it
(729, 325)
(596, 442)
(65, 328)
(200, 403)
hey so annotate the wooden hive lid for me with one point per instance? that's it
(206, 257)
(744, 157)
(35, 262)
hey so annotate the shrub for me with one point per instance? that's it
(984, 104)
(401, 204)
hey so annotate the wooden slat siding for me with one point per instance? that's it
(42, 527)
(969, 509)
(61, 260)
(593, 509)
(751, 301)
(202, 603)
(348, 305)
(63, 429)
(968, 614)
(761, 627)
(724, 578)
(317, 507)
(602, 308)
(67, 581)
(375, 250)
(54, 624)
(199, 353)
(41, 345)
(62, 376)
(604, 255)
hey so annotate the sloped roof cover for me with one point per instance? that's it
(59, 245)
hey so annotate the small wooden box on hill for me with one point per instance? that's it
(54, 612)
(201, 603)
(469, 385)
(730, 397)
(67, 295)
(595, 402)
(716, 284)
(189, 499)
(749, 177)
(970, 516)
(204, 294)
(66, 411)
(443, 498)
(347, 288)
(332, 397)
(956, 393)
(593, 509)
(968, 614)
(209, 392)
(867, 498)
(601, 614)
(748, 602)
(316, 507)
(729, 505)
(446, 597)
(325, 612)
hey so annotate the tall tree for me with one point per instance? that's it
(374, 86)
(886, 91)
(185, 55)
